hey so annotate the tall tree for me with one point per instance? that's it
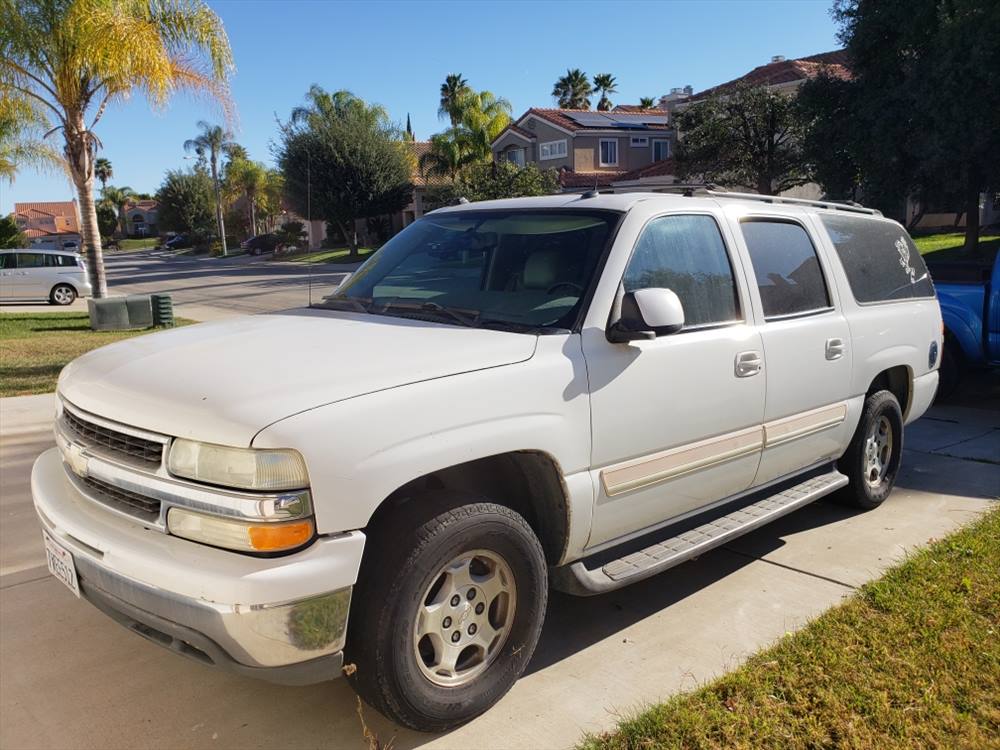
(248, 180)
(346, 163)
(925, 103)
(647, 102)
(103, 171)
(213, 142)
(74, 57)
(10, 235)
(748, 136)
(408, 135)
(573, 90)
(452, 90)
(604, 84)
(186, 204)
(118, 198)
(482, 116)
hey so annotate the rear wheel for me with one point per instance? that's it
(872, 459)
(448, 611)
(62, 294)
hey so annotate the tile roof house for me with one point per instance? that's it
(142, 217)
(787, 75)
(590, 149)
(48, 221)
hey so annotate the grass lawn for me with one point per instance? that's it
(911, 661)
(34, 347)
(948, 246)
(336, 255)
(144, 243)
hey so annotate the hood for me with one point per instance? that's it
(223, 382)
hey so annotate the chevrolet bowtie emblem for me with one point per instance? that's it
(76, 459)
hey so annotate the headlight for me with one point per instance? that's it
(244, 536)
(246, 468)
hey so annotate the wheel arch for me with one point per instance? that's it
(898, 380)
(529, 482)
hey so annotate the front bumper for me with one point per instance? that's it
(283, 619)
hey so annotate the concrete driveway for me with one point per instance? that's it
(208, 288)
(71, 678)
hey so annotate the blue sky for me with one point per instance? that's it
(398, 53)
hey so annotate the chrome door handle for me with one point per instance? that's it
(834, 348)
(748, 364)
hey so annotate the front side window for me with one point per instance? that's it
(7, 260)
(879, 258)
(609, 152)
(507, 269)
(552, 150)
(686, 254)
(788, 273)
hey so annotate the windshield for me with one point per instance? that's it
(512, 269)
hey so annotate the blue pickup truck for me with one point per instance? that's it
(969, 294)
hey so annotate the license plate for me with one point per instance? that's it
(60, 562)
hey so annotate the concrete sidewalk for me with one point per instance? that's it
(71, 678)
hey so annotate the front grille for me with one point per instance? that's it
(147, 451)
(133, 503)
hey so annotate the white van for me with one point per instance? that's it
(577, 391)
(33, 274)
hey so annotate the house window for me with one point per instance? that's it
(609, 152)
(661, 150)
(552, 150)
(639, 141)
(516, 155)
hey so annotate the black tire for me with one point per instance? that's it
(402, 560)
(951, 371)
(862, 492)
(62, 294)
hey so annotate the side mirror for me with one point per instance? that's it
(646, 314)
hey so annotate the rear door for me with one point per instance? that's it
(676, 421)
(807, 345)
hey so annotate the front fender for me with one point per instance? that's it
(964, 326)
(360, 450)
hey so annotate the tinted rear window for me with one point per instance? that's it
(880, 259)
(788, 273)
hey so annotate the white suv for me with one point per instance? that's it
(578, 391)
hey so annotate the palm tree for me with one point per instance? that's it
(482, 117)
(21, 144)
(213, 141)
(118, 198)
(246, 179)
(647, 102)
(103, 171)
(604, 84)
(325, 106)
(448, 153)
(452, 91)
(573, 90)
(74, 57)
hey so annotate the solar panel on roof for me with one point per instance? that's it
(590, 119)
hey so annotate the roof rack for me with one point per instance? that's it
(834, 205)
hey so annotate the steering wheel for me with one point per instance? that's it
(576, 287)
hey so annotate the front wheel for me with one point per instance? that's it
(872, 459)
(448, 612)
(62, 294)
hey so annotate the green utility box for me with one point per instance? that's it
(130, 313)
(163, 310)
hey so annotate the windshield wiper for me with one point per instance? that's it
(466, 318)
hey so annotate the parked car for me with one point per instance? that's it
(32, 273)
(969, 294)
(575, 391)
(177, 242)
(262, 243)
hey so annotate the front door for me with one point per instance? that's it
(807, 351)
(676, 421)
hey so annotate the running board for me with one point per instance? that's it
(577, 578)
